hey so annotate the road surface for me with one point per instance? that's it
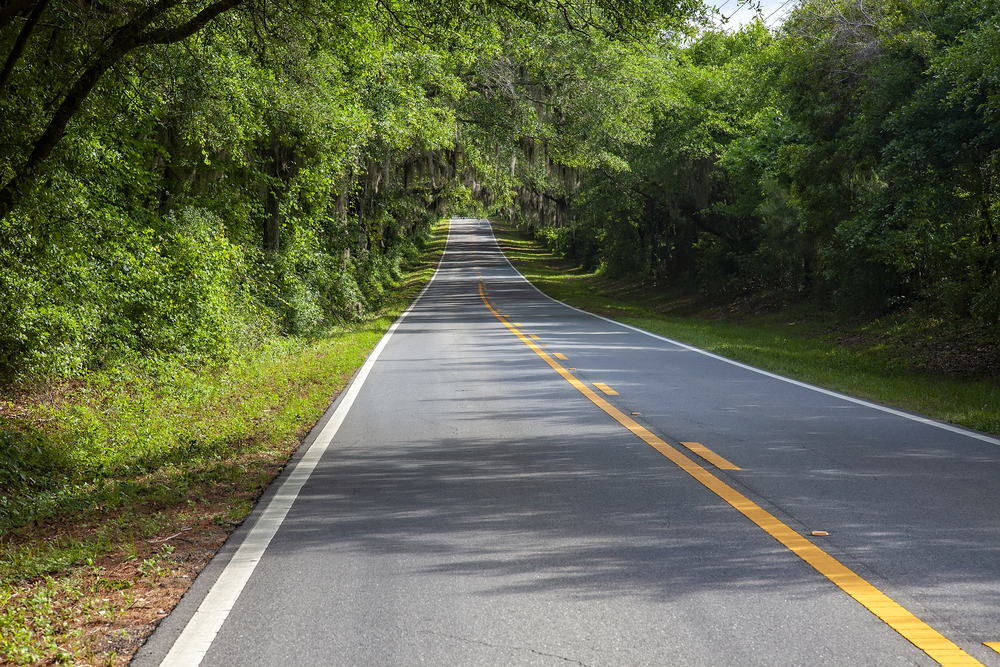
(505, 483)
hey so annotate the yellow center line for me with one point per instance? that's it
(606, 389)
(923, 636)
(710, 456)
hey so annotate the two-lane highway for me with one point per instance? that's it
(510, 481)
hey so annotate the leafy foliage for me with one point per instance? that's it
(266, 169)
(848, 157)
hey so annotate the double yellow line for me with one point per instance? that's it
(923, 636)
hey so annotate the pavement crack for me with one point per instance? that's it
(516, 648)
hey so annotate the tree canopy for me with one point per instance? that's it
(184, 178)
(848, 157)
(187, 177)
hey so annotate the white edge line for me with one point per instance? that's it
(892, 411)
(195, 640)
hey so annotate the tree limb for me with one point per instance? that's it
(10, 10)
(125, 39)
(22, 41)
(185, 30)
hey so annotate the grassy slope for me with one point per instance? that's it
(161, 474)
(874, 360)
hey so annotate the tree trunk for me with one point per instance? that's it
(22, 41)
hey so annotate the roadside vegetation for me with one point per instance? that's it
(119, 487)
(903, 360)
(207, 208)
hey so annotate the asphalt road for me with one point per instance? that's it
(476, 506)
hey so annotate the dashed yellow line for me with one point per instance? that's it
(710, 456)
(559, 355)
(606, 389)
(921, 635)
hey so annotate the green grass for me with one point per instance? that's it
(91, 470)
(793, 342)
